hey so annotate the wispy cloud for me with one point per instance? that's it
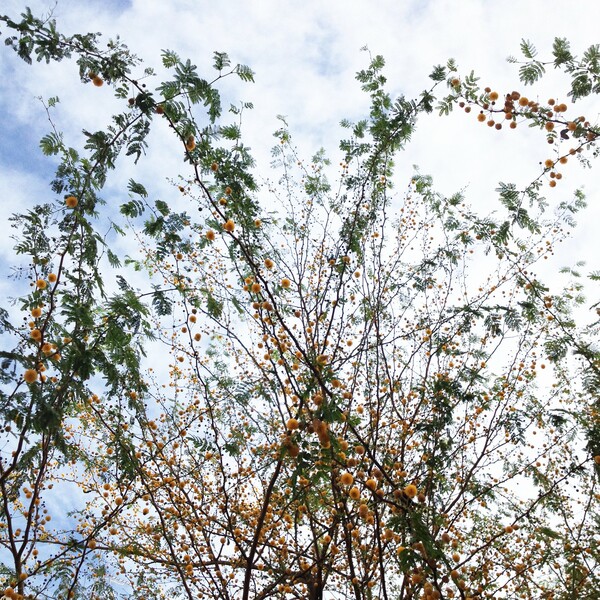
(305, 55)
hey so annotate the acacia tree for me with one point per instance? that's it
(369, 394)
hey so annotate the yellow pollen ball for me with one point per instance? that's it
(229, 225)
(40, 284)
(411, 490)
(30, 375)
(292, 424)
(346, 479)
(190, 143)
(71, 201)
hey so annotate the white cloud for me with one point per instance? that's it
(305, 55)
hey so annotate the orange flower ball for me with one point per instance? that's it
(30, 375)
(354, 493)
(411, 491)
(346, 479)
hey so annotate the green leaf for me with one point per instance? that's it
(438, 73)
(230, 132)
(220, 60)
(528, 49)
(162, 207)
(133, 208)
(51, 144)
(145, 102)
(170, 59)
(161, 303)
(531, 72)
(561, 51)
(154, 226)
(137, 188)
(245, 73)
(113, 259)
(214, 306)
(549, 533)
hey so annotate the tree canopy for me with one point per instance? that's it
(326, 385)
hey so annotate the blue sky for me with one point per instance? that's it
(305, 55)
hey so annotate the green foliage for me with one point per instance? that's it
(531, 72)
(561, 50)
(584, 72)
(308, 311)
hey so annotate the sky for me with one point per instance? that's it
(305, 55)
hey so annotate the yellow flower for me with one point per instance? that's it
(346, 479)
(30, 375)
(190, 143)
(411, 490)
(292, 424)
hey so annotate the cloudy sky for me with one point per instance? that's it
(305, 55)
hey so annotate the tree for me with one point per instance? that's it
(368, 394)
